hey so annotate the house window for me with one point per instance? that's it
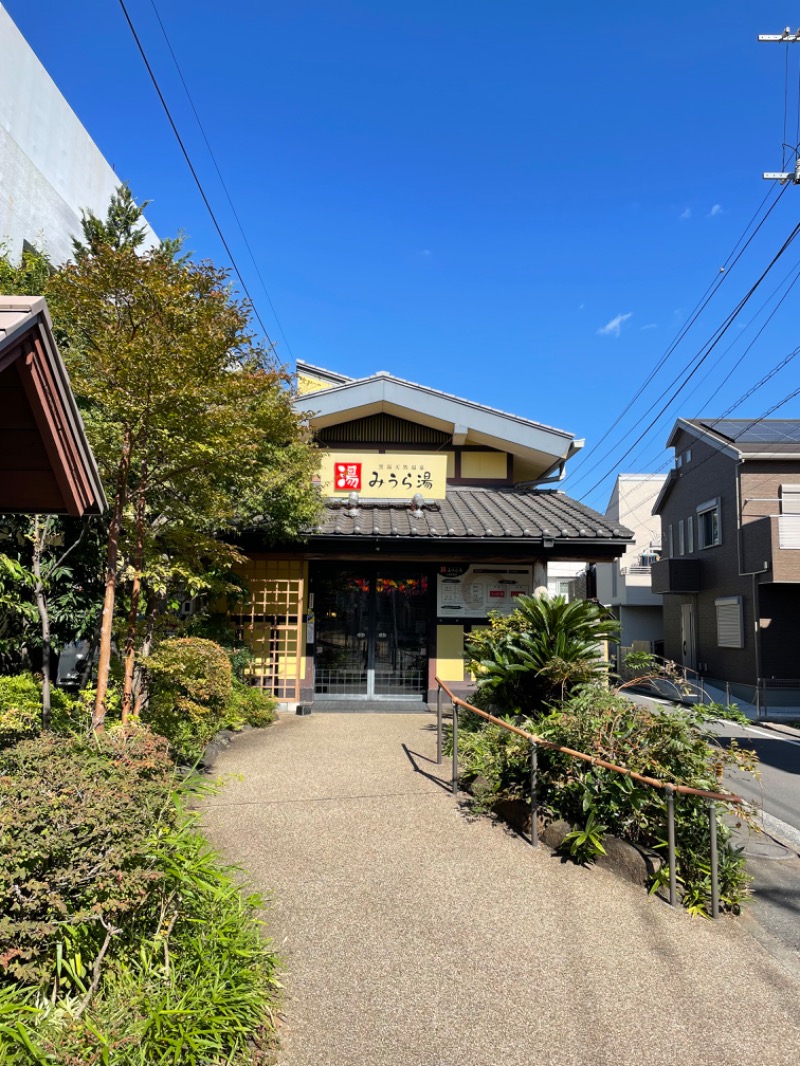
(730, 631)
(709, 532)
(678, 461)
(687, 455)
(790, 499)
(681, 538)
(670, 543)
(690, 534)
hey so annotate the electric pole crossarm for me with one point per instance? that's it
(783, 176)
(787, 37)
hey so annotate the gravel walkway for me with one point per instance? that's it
(416, 936)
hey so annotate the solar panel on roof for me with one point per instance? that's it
(768, 431)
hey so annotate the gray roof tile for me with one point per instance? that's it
(472, 512)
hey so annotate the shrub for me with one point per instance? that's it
(669, 743)
(540, 652)
(21, 709)
(190, 691)
(186, 976)
(75, 817)
(249, 706)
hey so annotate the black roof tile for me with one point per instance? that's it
(492, 514)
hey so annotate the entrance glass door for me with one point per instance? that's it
(371, 633)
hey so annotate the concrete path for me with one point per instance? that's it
(416, 936)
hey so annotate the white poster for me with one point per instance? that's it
(464, 591)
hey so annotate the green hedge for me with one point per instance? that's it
(194, 694)
(124, 940)
(21, 709)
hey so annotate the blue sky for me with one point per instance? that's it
(503, 200)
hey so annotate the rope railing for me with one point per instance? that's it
(669, 788)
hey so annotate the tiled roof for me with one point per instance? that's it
(472, 512)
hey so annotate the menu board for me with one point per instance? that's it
(464, 591)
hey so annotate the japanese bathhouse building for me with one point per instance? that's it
(436, 511)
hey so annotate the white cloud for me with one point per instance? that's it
(715, 210)
(614, 327)
(650, 325)
(686, 213)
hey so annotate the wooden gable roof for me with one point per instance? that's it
(46, 464)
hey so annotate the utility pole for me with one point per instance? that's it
(787, 37)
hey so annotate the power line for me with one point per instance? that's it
(701, 305)
(199, 184)
(221, 179)
(719, 385)
(699, 362)
(780, 365)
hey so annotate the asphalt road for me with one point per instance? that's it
(773, 857)
(778, 791)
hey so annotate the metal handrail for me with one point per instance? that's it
(595, 760)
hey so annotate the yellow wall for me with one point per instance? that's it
(450, 456)
(484, 465)
(307, 383)
(450, 653)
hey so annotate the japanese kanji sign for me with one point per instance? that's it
(380, 477)
(347, 477)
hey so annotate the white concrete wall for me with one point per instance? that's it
(50, 168)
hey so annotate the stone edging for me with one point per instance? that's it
(631, 862)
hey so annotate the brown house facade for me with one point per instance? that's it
(436, 511)
(730, 571)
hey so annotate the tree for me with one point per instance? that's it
(542, 651)
(192, 423)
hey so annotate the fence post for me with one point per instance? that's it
(712, 829)
(439, 726)
(670, 790)
(727, 693)
(534, 801)
(702, 691)
(758, 697)
(455, 749)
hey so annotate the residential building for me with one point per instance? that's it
(50, 168)
(565, 578)
(624, 586)
(730, 526)
(436, 511)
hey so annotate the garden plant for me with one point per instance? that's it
(540, 668)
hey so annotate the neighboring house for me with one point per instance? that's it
(50, 168)
(436, 512)
(730, 521)
(46, 465)
(624, 586)
(565, 579)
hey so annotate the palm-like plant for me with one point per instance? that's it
(540, 652)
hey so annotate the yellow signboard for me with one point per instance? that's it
(383, 477)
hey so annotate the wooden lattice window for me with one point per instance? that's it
(273, 626)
